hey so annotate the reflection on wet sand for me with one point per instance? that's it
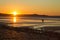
(26, 33)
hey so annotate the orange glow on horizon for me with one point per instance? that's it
(14, 13)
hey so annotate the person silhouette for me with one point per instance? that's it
(42, 20)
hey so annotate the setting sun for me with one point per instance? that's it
(14, 13)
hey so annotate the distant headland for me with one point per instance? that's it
(30, 15)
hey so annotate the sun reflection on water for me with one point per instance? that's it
(14, 19)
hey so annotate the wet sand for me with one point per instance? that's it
(28, 34)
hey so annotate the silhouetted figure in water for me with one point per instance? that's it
(42, 20)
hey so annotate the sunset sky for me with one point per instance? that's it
(43, 7)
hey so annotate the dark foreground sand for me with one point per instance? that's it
(13, 34)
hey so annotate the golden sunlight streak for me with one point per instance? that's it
(14, 19)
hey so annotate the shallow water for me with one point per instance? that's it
(29, 21)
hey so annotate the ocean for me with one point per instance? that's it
(29, 21)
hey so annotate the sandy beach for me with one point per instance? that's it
(26, 34)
